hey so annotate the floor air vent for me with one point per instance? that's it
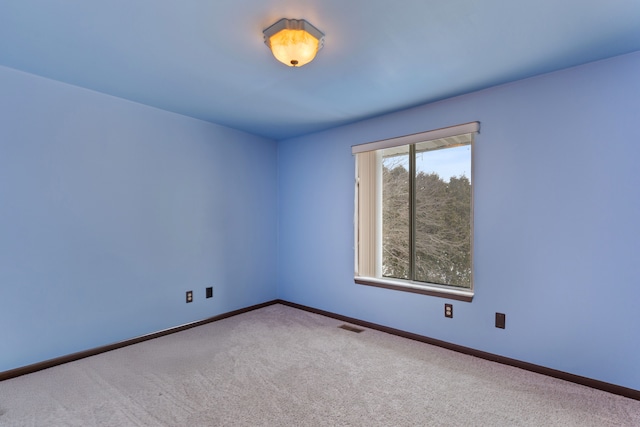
(351, 328)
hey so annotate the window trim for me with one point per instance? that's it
(444, 291)
(471, 127)
(450, 292)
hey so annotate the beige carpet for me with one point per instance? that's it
(279, 366)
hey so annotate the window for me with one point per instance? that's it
(414, 212)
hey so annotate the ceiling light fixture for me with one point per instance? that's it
(294, 42)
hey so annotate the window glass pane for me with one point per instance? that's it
(443, 215)
(395, 212)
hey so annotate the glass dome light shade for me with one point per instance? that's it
(294, 42)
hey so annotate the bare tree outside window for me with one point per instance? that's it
(442, 209)
(395, 216)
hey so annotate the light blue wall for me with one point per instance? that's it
(557, 222)
(111, 210)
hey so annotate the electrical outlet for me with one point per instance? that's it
(210, 292)
(448, 310)
(501, 319)
(189, 296)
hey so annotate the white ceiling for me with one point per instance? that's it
(207, 59)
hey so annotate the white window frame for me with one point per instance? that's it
(368, 262)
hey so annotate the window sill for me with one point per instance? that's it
(419, 288)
